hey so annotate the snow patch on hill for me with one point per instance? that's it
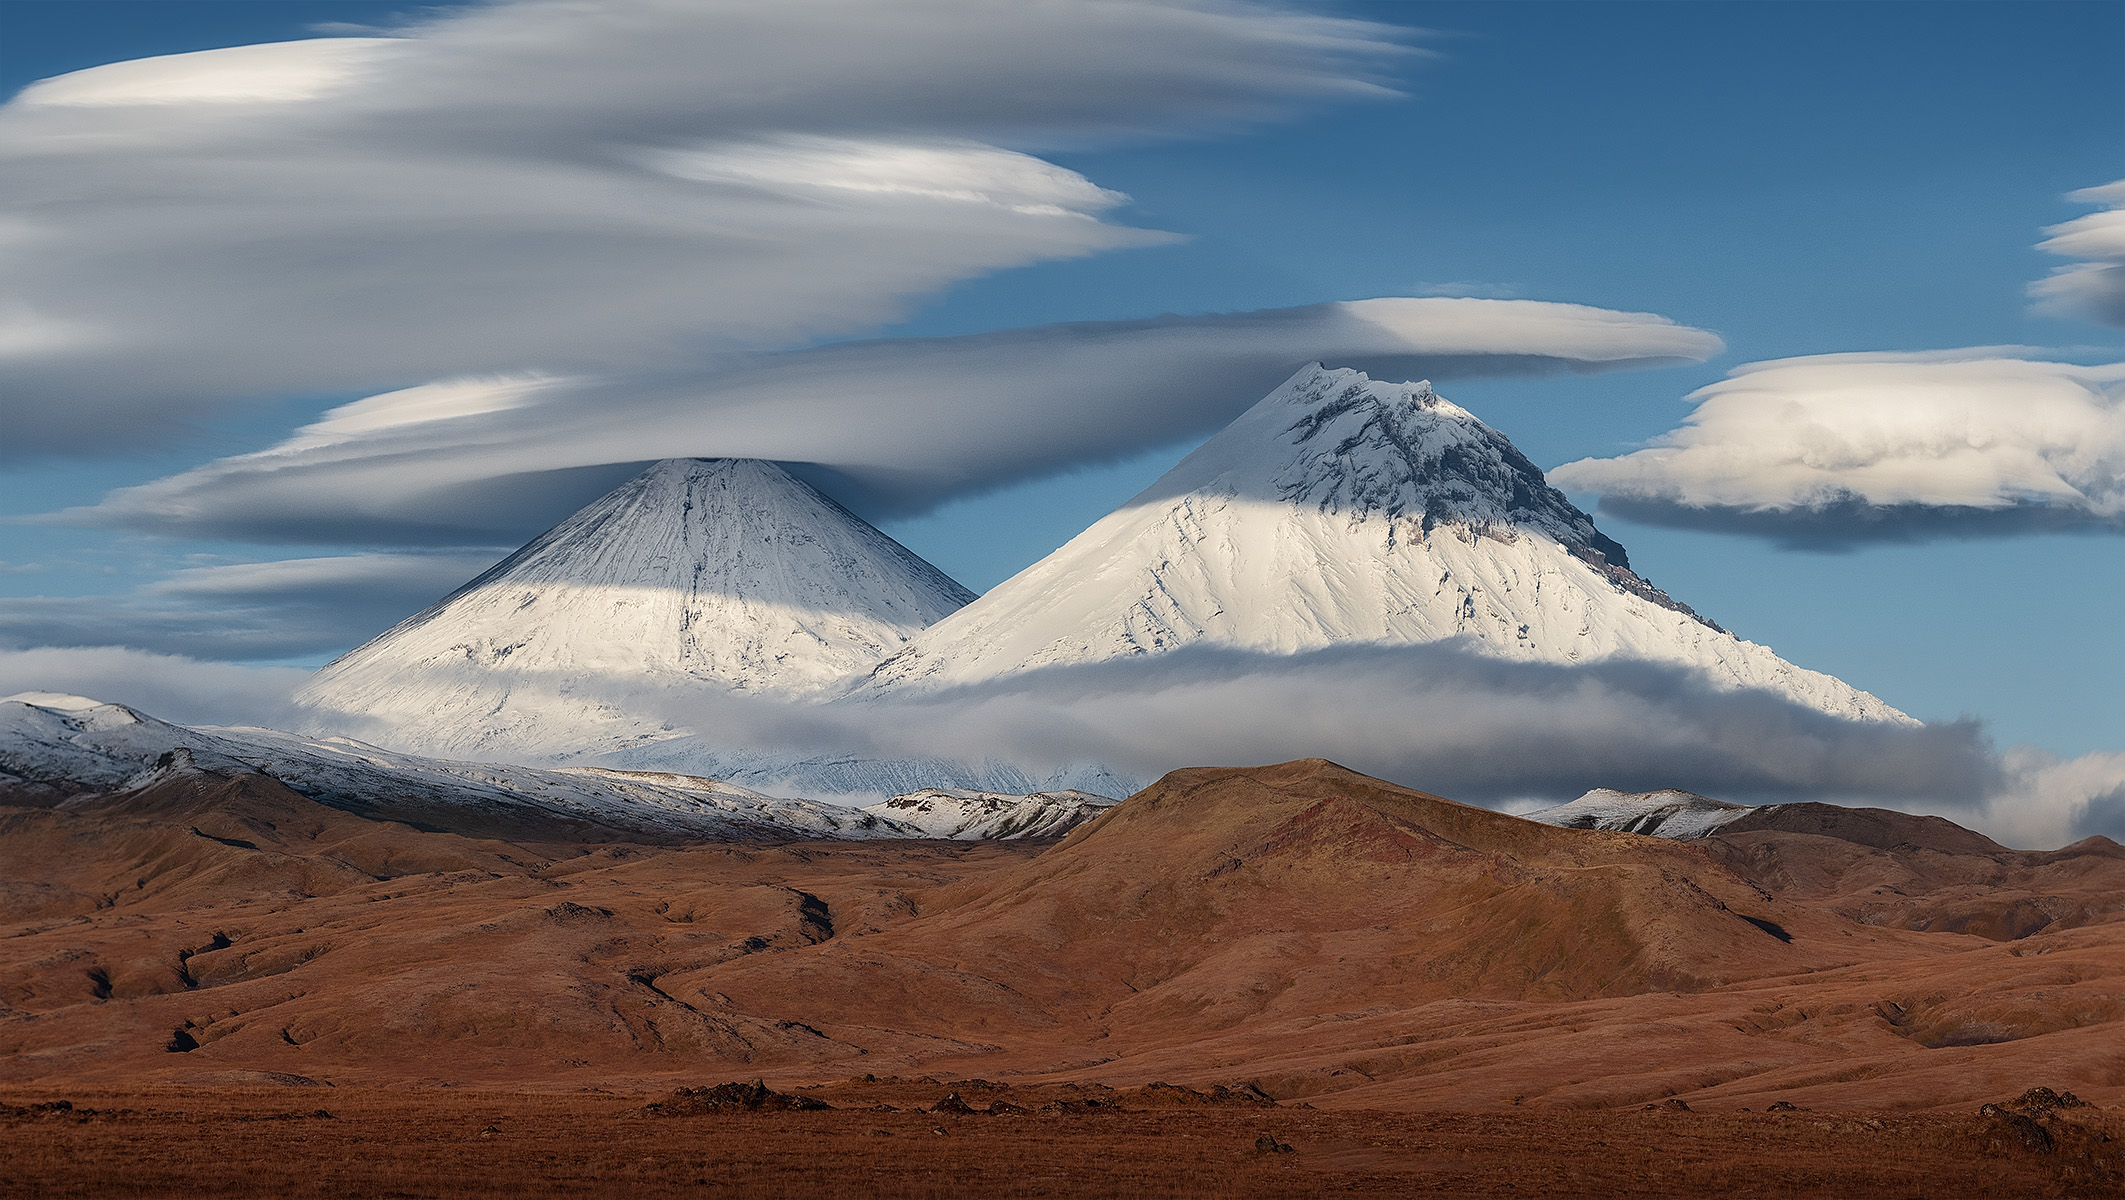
(965, 814)
(1669, 813)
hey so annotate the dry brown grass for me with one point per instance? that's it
(445, 1143)
(1477, 1006)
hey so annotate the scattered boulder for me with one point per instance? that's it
(568, 912)
(731, 1098)
(1266, 1144)
(48, 1108)
(1167, 1095)
(2043, 1099)
(953, 1105)
(2011, 1130)
(1088, 1104)
(1783, 1106)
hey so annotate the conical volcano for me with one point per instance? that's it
(1344, 510)
(727, 573)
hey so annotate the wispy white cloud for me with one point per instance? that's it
(888, 426)
(2094, 287)
(564, 186)
(247, 611)
(1852, 447)
(338, 575)
(169, 686)
(275, 73)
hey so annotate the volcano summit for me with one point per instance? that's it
(727, 574)
(1344, 510)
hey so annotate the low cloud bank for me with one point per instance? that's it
(1436, 717)
(1463, 725)
(889, 427)
(1432, 717)
(2094, 287)
(1847, 448)
(2048, 801)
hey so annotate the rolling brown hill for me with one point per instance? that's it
(1298, 927)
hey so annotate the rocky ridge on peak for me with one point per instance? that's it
(1448, 468)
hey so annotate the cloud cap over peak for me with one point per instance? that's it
(889, 426)
(1845, 448)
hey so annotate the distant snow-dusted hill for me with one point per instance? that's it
(967, 814)
(61, 745)
(1669, 813)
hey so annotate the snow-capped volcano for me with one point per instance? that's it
(724, 573)
(1344, 510)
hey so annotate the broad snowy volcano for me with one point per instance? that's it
(725, 574)
(1344, 510)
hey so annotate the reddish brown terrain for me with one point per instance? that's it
(1414, 994)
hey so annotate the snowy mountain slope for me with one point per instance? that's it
(969, 815)
(74, 740)
(1669, 813)
(83, 744)
(1338, 510)
(725, 573)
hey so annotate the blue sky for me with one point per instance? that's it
(1802, 179)
(1799, 179)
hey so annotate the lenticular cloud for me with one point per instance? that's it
(887, 426)
(557, 186)
(1854, 447)
(2094, 287)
